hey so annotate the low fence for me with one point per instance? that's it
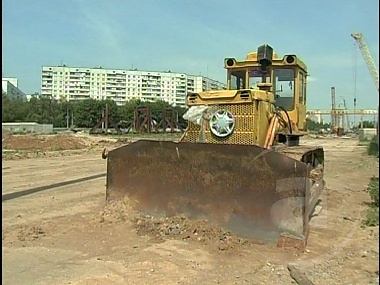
(28, 128)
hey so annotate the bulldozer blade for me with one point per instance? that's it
(253, 192)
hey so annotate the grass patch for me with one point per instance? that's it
(373, 211)
(363, 143)
(372, 217)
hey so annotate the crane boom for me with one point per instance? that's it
(368, 58)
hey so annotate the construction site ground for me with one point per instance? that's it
(69, 235)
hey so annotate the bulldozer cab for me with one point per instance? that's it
(285, 77)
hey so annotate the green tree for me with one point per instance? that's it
(181, 111)
(87, 113)
(158, 108)
(113, 110)
(42, 109)
(315, 126)
(126, 111)
(13, 110)
(6, 114)
(368, 124)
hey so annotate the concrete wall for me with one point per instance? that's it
(28, 128)
(367, 133)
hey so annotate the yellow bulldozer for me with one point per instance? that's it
(239, 164)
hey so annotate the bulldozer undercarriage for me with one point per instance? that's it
(259, 194)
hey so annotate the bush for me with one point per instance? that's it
(372, 217)
(373, 211)
(373, 147)
(373, 190)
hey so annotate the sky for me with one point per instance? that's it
(194, 37)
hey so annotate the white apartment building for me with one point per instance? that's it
(10, 86)
(78, 83)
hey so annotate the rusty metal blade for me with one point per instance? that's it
(253, 192)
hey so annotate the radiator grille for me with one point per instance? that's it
(244, 126)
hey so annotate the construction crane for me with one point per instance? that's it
(371, 65)
(368, 58)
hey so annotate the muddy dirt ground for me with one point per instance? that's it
(69, 235)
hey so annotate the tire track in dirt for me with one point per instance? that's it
(29, 191)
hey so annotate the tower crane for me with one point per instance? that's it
(368, 58)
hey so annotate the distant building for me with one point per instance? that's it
(10, 86)
(12, 80)
(78, 83)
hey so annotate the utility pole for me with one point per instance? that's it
(67, 117)
(106, 119)
(72, 119)
(333, 108)
(354, 111)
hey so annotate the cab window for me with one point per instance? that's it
(284, 88)
(256, 76)
(237, 80)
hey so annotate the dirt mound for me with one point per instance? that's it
(181, 227)
(16, 147)
(177, 227)
(42, 142)
(115, 212)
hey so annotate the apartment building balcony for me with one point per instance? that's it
(116, 77)
(115, 84)
(157, 82)
(117, 81)
(117, 90)
(72, 81)
(147, 84)
(150, 93)
(120, 88)
(78, 82)
(76, 89)
(75, 76)
(151, 77)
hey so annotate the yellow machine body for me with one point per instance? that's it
(239, 164)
